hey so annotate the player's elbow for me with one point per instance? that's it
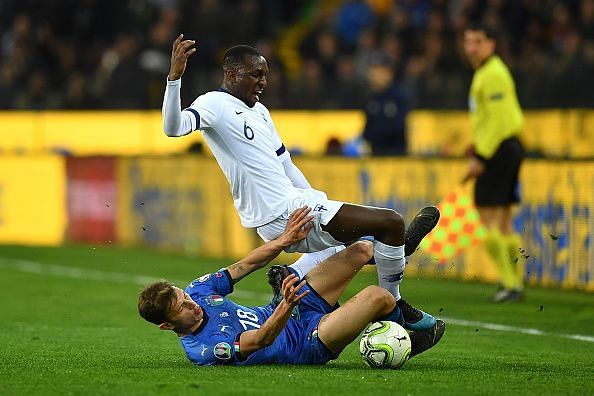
(169, 131)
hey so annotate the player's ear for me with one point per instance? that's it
(166, 326)
(230, 75)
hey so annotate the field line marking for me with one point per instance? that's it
(513, 329)
(34, 267)
(142, 280)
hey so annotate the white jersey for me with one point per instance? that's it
(250, 152)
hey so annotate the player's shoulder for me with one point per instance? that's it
(197, 284)
(261, 107)
(212, 99)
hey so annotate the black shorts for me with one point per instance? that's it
(498, 184)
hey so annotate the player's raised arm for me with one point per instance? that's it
(181, 51)
(297, 228)
(253, 340)
(175, 122)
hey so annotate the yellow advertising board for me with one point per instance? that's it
(561, 133)
(178, 203)
(183, 203)
(554, 220)
(32, 200)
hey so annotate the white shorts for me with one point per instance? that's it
(323, 211)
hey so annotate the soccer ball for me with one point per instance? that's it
(385, 345)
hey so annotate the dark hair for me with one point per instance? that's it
(477, 26)
(154, 302)
(236, 56)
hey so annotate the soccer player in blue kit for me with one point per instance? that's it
(215, 330)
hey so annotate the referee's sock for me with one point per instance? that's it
(514, 243)
(498, 250)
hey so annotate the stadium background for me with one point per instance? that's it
(84, 159)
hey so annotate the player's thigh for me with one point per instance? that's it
(340, 327)
(330, 278)
(354, 221)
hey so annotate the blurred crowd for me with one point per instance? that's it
(93, 54)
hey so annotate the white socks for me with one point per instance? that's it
(389, 263)
(309, 261)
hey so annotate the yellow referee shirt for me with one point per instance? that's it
(495, 113)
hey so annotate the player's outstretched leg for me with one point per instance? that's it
(419, 227)
(425, 339)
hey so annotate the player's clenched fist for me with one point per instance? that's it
(179, 56)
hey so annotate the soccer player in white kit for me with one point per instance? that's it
(265, 184)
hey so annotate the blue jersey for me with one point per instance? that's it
(216, 341)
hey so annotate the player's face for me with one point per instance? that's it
(251, 80)
(478, 46)
(185, 315)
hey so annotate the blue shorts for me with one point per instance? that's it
(311, 310)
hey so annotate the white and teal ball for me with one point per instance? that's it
(385, 344)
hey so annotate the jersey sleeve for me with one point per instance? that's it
(220, 349)
(219, 282)
(281, 151)
(204, 110)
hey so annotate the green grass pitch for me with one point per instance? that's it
(70, 326)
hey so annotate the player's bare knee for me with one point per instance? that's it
(362, 250)
(380, 298)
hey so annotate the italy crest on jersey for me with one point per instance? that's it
(214, 300)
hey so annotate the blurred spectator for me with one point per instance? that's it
(333, 147)
(125, 84)
(114, 53)
(77, 95)
(386, 110)
(37, 96)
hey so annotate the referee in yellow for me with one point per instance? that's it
(496, 155)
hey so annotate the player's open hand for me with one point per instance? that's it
(179, 56)
(298, 226)
(290, 288)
